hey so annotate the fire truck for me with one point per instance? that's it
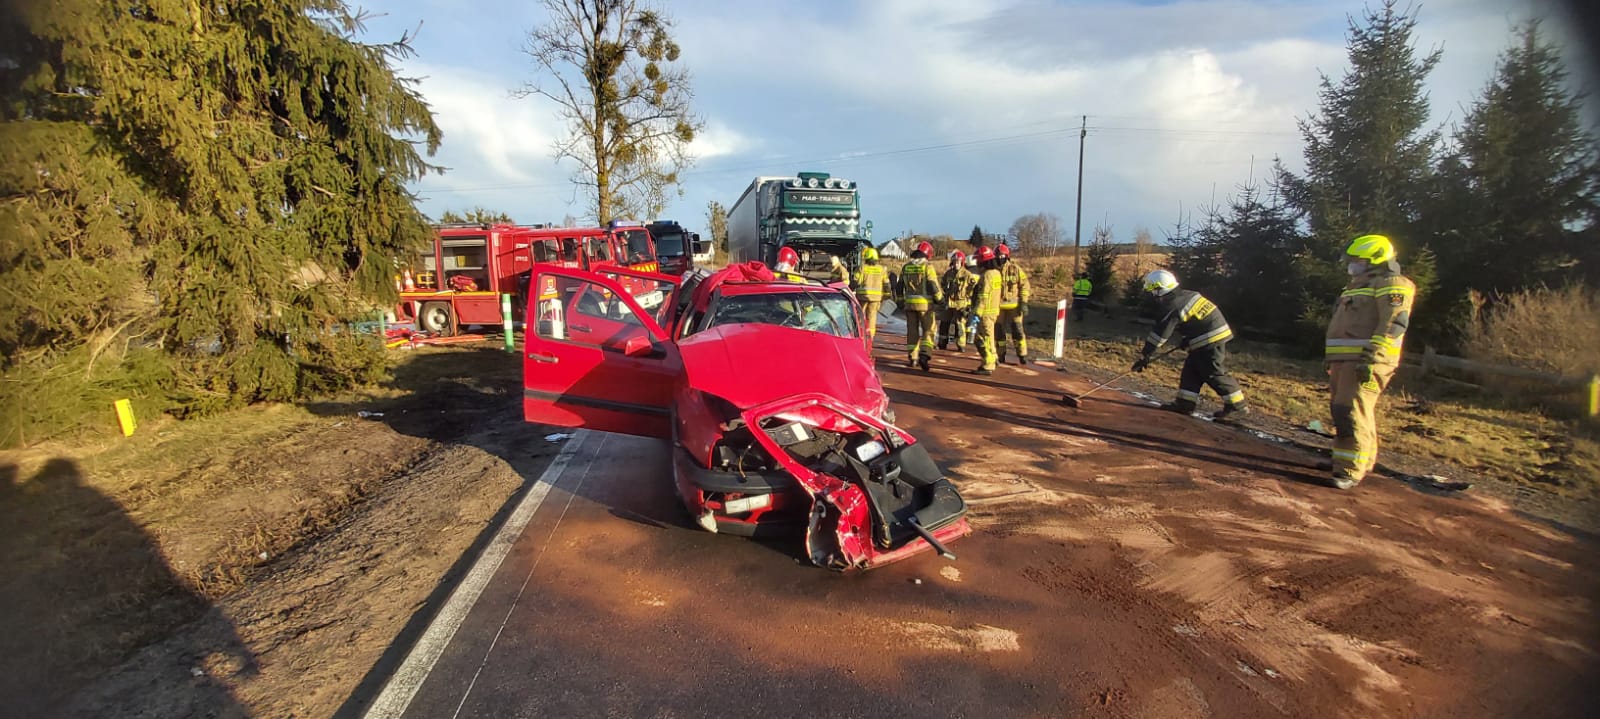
(676, 248)
(459, 279)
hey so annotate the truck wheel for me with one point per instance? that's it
(435, 317)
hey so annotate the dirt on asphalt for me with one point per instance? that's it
(1178, 568)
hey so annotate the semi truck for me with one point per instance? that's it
(816, 215)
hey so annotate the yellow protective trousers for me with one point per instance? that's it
(870, 309)
(920, 327)
(1354, 406)
(985, 341)
(1008, 329)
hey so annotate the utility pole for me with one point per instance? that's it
(1077, 232)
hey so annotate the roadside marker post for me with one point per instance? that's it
(125, 418)
(1061, 325)
(505, 315)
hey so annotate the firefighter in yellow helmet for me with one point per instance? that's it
(1363, 351)
(869, 284)
(958, 284)
(919, 285)
(986, 305)
(1014, 294)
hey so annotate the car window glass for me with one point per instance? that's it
(825, 312)
(583, 312)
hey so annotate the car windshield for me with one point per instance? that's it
(824, 312)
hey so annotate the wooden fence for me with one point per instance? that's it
(1589, 386)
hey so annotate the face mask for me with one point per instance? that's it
(1356, 268)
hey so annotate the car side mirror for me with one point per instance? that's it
(638, 346)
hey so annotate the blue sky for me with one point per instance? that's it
(948, 113)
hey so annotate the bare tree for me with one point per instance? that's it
(1143, 246)
(608, 66)
(717, 224)
(1037, 234)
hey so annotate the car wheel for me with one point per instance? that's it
(435, 318)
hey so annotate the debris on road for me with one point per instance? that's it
(558, 437)
(367, 415)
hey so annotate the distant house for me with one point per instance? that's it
(892, 250)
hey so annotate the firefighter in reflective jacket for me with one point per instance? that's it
(1014, 294)
(1082, 288)
(920, 288)
(1204, 333)
(986, 305)
(869, 282)
(1362, 352)
(958, 284)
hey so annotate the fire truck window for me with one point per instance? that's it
(638, 246)
(545, 251)
(597, 248)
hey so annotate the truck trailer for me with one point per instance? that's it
(817, 215)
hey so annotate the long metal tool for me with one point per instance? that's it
(1077, 400)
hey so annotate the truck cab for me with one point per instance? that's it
(676, 248)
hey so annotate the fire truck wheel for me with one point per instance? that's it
(435, 317)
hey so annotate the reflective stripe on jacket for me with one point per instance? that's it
(958, 285)
(869, 282)
(918, 286)
(1373, 313)
(1014, 289)
(1198, 321)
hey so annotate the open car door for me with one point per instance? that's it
(594, 357)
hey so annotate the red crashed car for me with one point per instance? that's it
(766, 389)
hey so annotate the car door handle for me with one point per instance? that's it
(579, 328)
(547, 359)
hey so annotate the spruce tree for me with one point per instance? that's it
(1101, 265)
(1524, 181)
(976, 238)
(206, 191)
(1369, 157)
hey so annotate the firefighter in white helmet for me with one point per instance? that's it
(1204, 333)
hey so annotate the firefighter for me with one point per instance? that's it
(957, 283)
(788, 259)
(870, 281)
(1363, 351)
(1082, 288)
(920, 288)
(1204, 333)
(1014, 293)
(837, 272)
(986, 307)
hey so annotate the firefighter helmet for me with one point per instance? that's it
(1375, 249)
(958, 257)
(788, 259)
(984, 254)
(869, 255)
(1003, 251)
(926, 248)
(1160, 282)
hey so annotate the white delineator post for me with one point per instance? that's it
(1061, 325)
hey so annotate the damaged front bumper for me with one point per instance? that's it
(875, 495)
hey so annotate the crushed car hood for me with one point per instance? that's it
(748, 364)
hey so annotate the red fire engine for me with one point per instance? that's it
(461, 277)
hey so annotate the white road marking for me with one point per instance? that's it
(402, 687)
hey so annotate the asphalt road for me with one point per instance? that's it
(1125, 562)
